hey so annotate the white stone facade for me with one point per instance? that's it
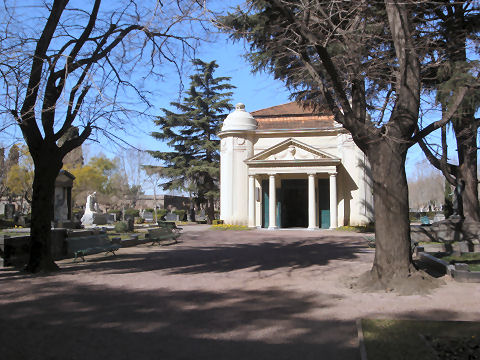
(291, 169)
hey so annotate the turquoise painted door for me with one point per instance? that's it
(324, 203)
(279, 208)
(265, 204)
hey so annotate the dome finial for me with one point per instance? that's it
(239, 120)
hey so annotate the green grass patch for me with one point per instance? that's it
(358, 229)
(471, 259)
(426, 340)
(14, 233)
(229, 227)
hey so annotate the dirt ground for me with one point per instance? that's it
(216, 295)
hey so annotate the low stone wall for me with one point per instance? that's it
(15, 249)
(465, 234)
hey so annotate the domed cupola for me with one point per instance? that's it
(239, 120)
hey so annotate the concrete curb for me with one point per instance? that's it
(438, 264)
(442, 266)
(361, 340)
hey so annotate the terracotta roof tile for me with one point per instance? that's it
(292, 116)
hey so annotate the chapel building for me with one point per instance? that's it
(289, 167)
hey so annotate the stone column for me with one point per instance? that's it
(333, 200)
(251, 201)
(272, 202)
(312, 210)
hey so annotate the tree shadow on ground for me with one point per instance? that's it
(60, 320)
(269, 254)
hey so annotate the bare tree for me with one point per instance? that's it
(83, 68)
(426, 187)
(354, 57)
(131, 161)
(451, 65)
(154, 178)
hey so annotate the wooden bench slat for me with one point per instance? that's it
(162, 233)
(91, 244)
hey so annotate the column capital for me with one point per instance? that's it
(311, 173)
(332, 173)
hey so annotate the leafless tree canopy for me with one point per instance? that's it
(89, 67)
(83, 64)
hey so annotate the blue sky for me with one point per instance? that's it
(256, 91)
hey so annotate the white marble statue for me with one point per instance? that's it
(91, 208)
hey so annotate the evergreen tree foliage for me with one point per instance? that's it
(193, 162)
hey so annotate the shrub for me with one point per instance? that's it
(161, 213)
(132, 213)
(217, 222)
(181, 214)
(118, 213)
(121, 226)
(139, 220)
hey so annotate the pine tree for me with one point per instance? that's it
(193, 163)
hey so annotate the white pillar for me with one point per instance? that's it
(312, 211)
(272, 202)
(251, 201)
(333, 200)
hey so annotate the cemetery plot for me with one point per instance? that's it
(414, 339)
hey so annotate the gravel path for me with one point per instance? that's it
(216, 295)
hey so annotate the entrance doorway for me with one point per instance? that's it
(294, 199)
(292, 203)
(324, 203)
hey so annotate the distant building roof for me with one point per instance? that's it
(293, 116)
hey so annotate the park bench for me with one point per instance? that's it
(91, 244)
(169, 225)
(158, 235)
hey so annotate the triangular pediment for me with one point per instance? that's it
(291, 150)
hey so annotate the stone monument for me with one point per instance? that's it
(92, 213)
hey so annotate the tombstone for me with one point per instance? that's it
(62, 200)
(111, 218)
(9, 211)
(21, 221)
(148, 216)
(130, 224)
(202, 216)
(99, 219)
(438, 217)
(171, 217)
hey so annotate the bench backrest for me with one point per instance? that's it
(152, 233)
(86, 242)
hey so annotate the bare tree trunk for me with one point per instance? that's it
(47, 166)
(466, 135)
(210, 210)
(393, 258)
